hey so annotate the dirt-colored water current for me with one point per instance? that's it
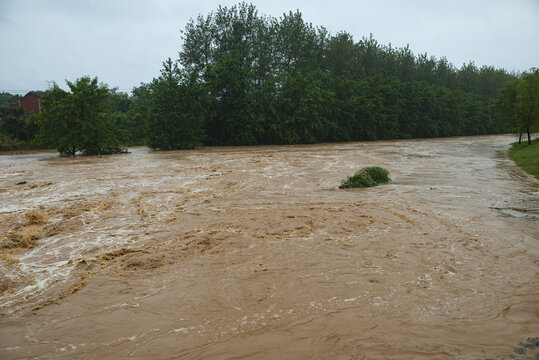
(254, 253)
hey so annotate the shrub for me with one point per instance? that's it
(366, 177)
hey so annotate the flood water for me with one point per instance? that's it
(254, 253)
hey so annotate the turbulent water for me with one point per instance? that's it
(254, 253)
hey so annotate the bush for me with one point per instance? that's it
(366, 177)
(9, 144)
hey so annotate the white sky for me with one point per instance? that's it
(124, 42)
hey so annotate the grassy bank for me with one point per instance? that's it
(526, 156)
(8, 144)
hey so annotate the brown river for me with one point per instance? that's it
(254, 253)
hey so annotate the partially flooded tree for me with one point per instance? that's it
(80, 120)
(176, 111)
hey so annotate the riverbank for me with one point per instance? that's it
(526, 156)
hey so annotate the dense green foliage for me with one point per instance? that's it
(17, 125)
(80, 121)
(526, 156)
(366, 177)
(244, 79)
(133, 121)
(283, 81)
(176, 111)
(7, 98)
(17, 128)
(518, 105)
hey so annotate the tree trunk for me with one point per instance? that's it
(520, 137)
(529, 140)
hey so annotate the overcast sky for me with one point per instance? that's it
(124, 42)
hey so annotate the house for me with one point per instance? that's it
(30, 102)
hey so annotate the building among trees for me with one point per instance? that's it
(31, 102)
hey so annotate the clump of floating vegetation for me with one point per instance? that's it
(366, 177)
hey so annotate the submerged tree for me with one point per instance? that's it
(80, 121)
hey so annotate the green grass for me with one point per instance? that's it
(9, 144)
(526, 156)
(366, 177)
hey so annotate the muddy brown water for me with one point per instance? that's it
(254, 253)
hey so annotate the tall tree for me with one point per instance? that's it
(137, 116)
(341, 59)
(298, 44)
(528, 102)
(507, 111)
(176, 112)
(233, 121)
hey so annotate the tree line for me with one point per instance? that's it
(260, 80)
(242, 78)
